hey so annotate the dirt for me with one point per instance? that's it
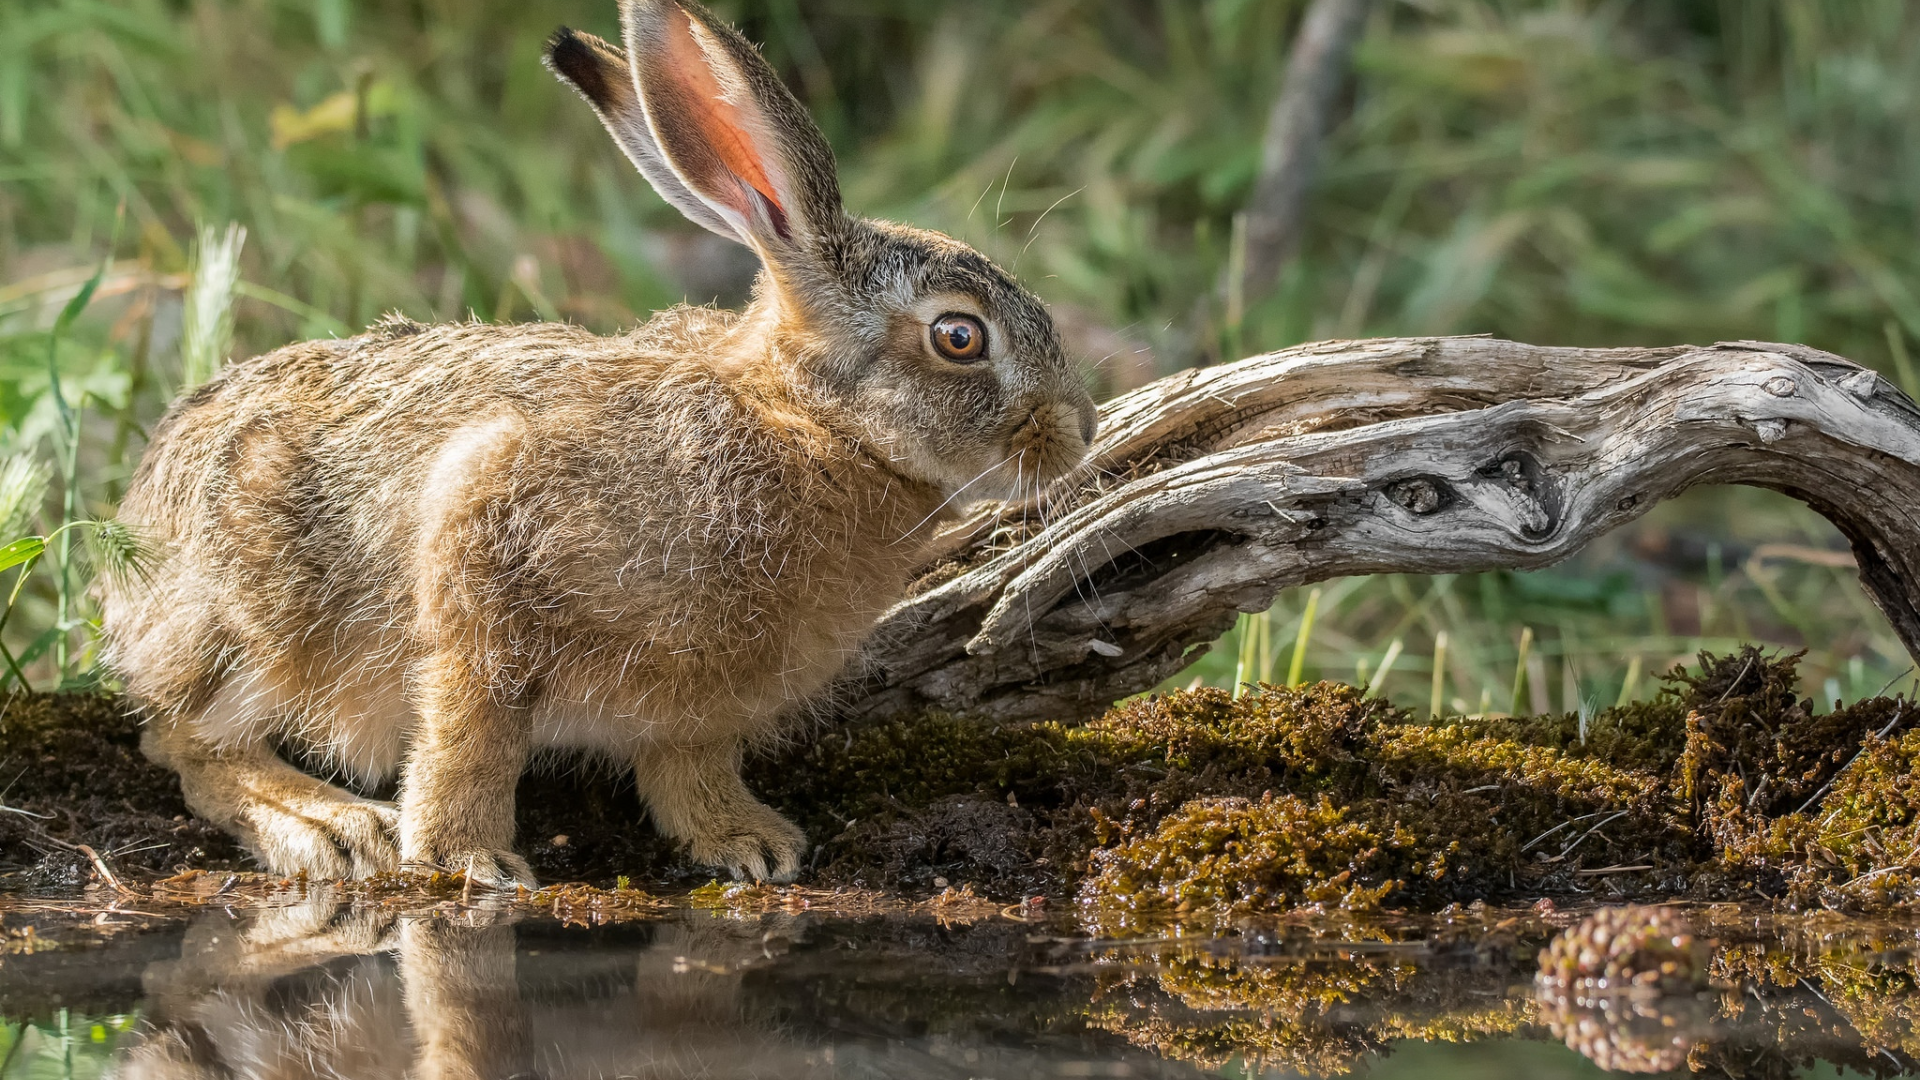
(1728, 786)
(71, 773)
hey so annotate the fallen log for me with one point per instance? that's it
(1210, 490)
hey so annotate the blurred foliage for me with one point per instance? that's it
(65, 1046)
(1556, 171)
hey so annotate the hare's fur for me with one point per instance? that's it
(436, 550)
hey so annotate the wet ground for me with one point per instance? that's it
(769, 983)
(1292, 882)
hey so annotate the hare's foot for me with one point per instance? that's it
(327, 833)
(493, 868)
(752, 843)
(293, 823)
(696, 796)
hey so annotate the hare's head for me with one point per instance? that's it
(947, 365)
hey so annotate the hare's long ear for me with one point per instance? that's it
(600, 73)
(711, 126)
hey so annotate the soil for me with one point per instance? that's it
(1728, 786)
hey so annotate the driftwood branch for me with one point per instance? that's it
(1290, 151)
(1210, 490)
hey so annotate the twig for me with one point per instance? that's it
(1290, 150)
(99, 863)
(1895, 679)
(25, 813)
(1736, 681)
(1557, 828)
(1876, 873)
(1568, 850)
(105, 871)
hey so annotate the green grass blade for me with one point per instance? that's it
(1298, 665)
(1519, 702)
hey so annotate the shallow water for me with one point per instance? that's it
(327, 989)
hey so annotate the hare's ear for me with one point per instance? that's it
(600, 73)
(711, 126)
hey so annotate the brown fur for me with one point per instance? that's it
(437, 550)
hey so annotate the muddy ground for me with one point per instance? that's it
(1729, 786)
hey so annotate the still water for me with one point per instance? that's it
(339, 990)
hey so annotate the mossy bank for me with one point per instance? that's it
(1727, 786)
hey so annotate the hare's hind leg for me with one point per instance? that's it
(292, 822)
(695, 795)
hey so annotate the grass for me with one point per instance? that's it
(1557, 171)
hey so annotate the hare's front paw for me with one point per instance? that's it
(487, 868)
(752, 843)
(325, 837)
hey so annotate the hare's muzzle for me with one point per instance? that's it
(1053, 439)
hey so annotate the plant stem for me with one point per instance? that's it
(63, 555)
(1300, 640)
(1520, 671)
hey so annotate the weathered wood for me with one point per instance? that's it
(1210, 490)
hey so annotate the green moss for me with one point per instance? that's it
(1240, 855)
(1309, 734)
(1313, 795)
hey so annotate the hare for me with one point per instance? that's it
(434, 551)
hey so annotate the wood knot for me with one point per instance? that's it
(1420, 494)
(1781, 386)
(1531, 497)
(1861, 384)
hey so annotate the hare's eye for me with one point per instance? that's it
(959, 337)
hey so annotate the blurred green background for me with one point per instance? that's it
(1584, 172)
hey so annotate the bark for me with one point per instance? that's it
(1210, 490)
(1290, 152)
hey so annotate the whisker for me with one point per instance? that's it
(1034, 229)
(948, 501)
(1002, 200)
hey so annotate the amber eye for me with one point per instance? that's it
(959, 337)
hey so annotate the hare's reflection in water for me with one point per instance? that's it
(327, 990)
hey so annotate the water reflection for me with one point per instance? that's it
(335, 990)
(324, 992)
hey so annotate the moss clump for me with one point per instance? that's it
(905, 802)
(1853, 848)
(1311, 736)
(1163, 803)
(1239, 855)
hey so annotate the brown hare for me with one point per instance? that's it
(437, 550)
